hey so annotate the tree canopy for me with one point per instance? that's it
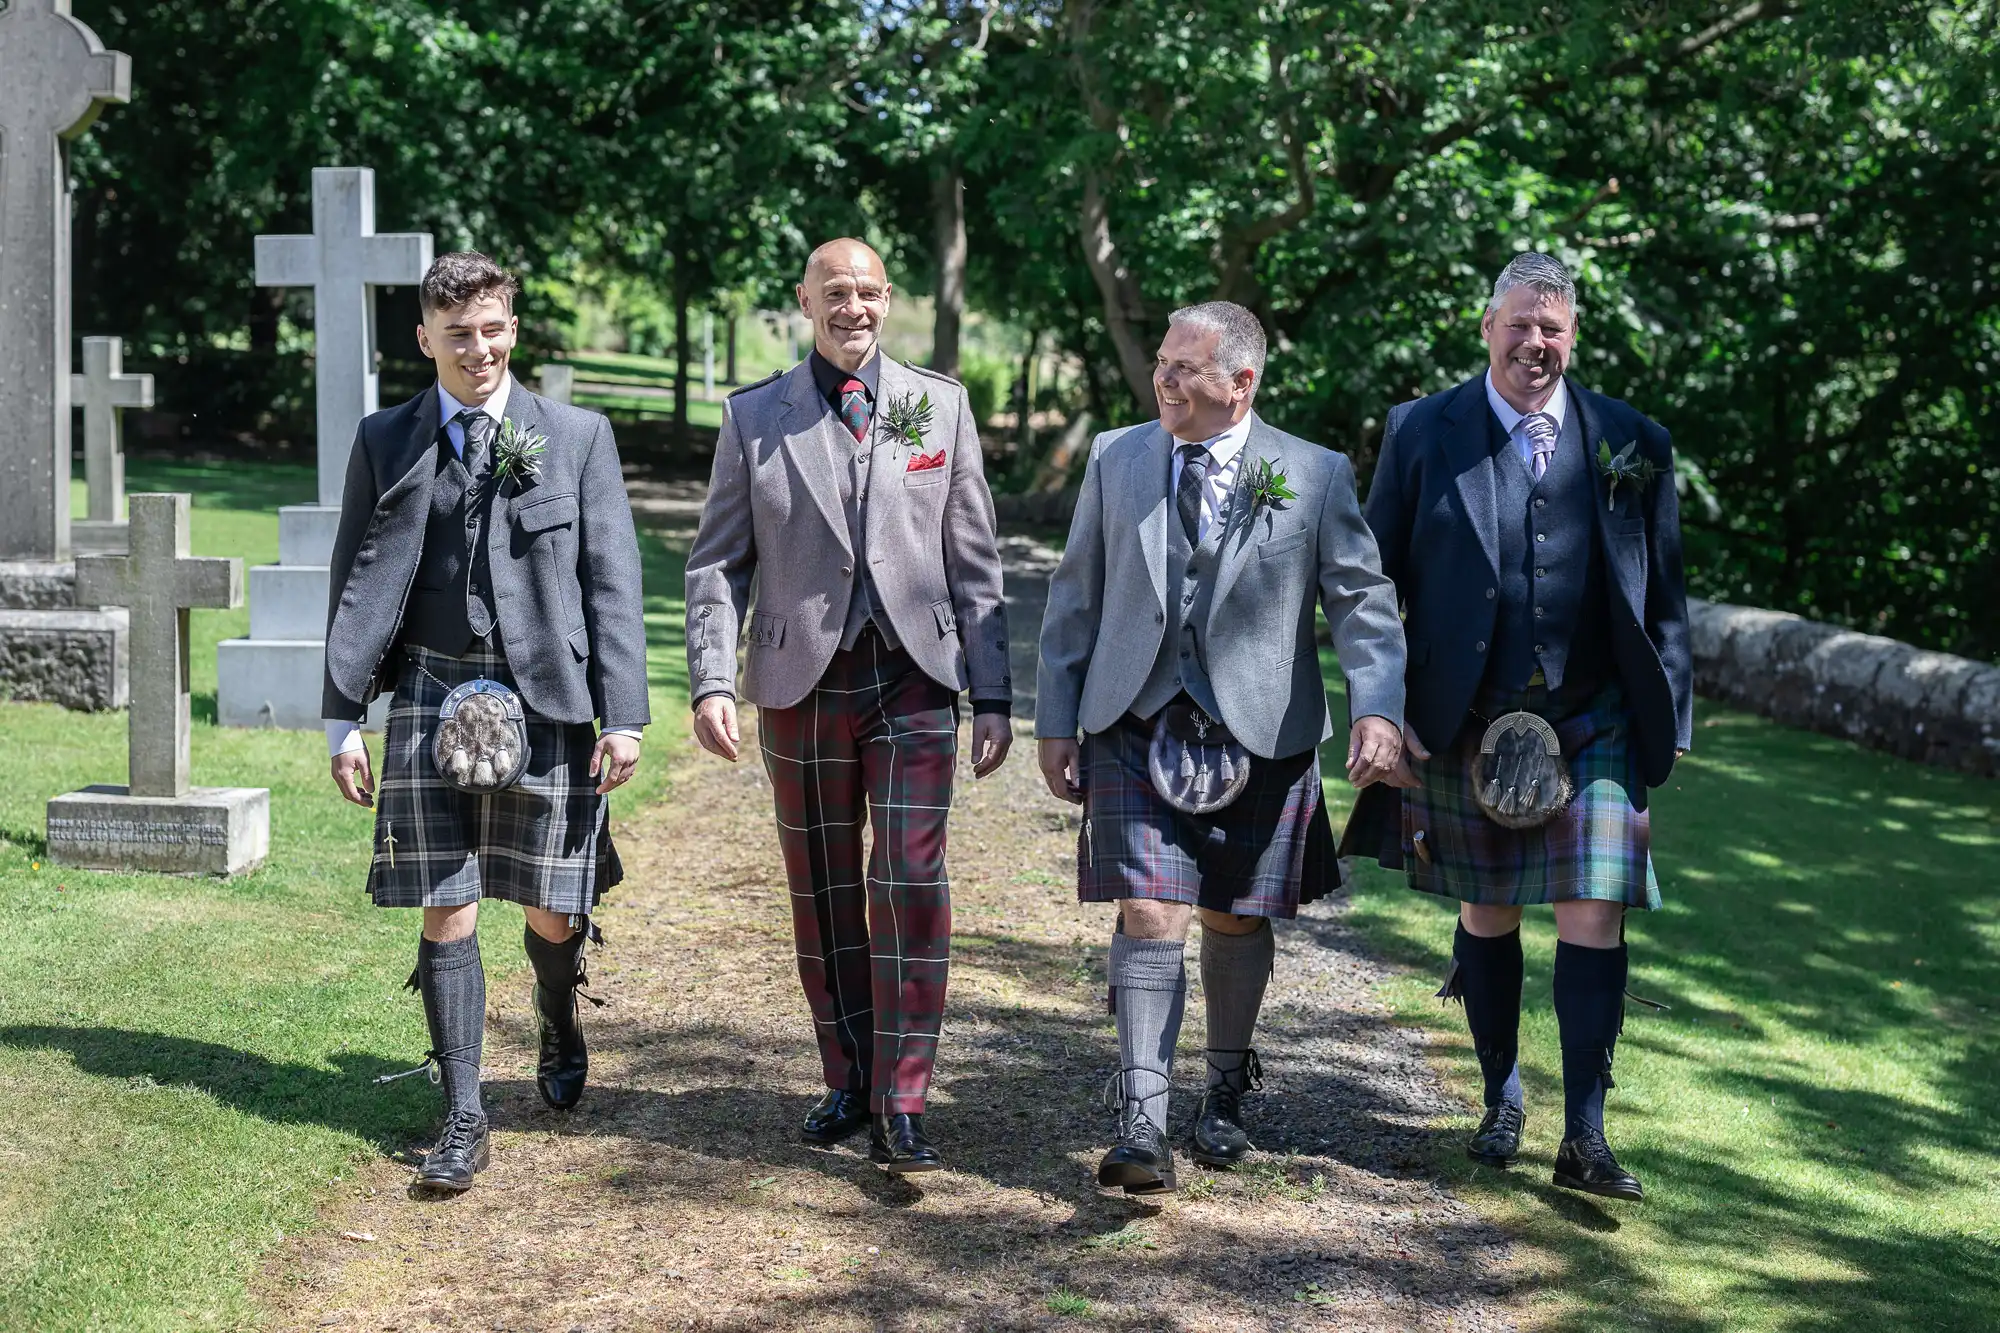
(1781, 215)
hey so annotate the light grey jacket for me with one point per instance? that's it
(774, 511)
(1108, 609)
(564, 556)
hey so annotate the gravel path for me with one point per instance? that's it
(677, 1195)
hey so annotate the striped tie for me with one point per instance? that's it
(1540, 428)
(856, 411)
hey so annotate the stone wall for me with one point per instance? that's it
(1931, 707)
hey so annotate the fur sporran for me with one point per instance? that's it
(1519, 775)
(1196, 765)
(481, 742)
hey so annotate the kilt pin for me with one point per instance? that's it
(873, 745)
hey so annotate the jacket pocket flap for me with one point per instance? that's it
(1280, 545)
(766, 631)
(543, 514)
(579, 642)
(947, 618)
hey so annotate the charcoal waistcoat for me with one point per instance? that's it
(451, 603)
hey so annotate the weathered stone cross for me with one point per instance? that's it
(55, 77)
(342, 261)
(104, 391)
(159, 581)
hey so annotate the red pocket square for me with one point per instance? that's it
(925, 462)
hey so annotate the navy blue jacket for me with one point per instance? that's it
(1431, 507)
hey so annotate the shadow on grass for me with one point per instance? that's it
(343, 1098)
(34, 844)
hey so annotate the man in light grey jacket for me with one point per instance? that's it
(1179, 640)
(850, 487)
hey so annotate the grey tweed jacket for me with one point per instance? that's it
(564, 556)
(774, 512)
(1107, 612)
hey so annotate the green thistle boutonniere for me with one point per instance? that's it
(1268, 486)
(1623, 467)
(518, 454)
(909, 420)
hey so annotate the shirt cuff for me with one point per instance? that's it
(1001, 706)
(636, 733)
(342, 737)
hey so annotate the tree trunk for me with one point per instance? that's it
(681, 296)
(266, 306)
(729, 363)
(1024, 431)
(1124, 308)
(948, 215)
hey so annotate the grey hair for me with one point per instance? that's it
(1544, 273)
(1241, 344)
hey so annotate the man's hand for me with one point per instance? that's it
(715, 726)
(1062, 768)
(613, 761)
(992, 735)
(1374, 751)
(354, 778)
(1406, 776)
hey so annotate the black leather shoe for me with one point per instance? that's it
(565, 1061)
(461, 1150)
(1219, 1136)
(1140, 1162)
(1585, 1163)
(897, 1142)
(835, 1115)
(1497, 1141)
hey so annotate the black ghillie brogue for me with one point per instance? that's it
(896, 1142)
(461, 1151)
(1219, 1136)
(1497, 1141)
(1139, 1161)
(565, 1061)
(837, 1114)
(1585, 1163)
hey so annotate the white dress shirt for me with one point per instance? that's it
(1510, 421)
(1224, 453)
(342, 737)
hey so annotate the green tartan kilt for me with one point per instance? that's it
(1598, 848)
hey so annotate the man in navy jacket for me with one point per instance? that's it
(1538, 561)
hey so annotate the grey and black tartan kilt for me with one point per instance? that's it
(1264, 854)
(544, 842)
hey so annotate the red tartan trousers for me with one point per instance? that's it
(874, 744)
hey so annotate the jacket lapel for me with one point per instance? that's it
(1471, 462)
(1238, 536)
(889, 454)
(1628, 575)
(1144, 484)
(524, 410)
(414, 466)
(806, 426)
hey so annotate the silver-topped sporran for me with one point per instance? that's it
(1196, 765)
(481, 742)
(1519, 775)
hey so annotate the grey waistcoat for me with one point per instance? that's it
(451, 602)
(1182, 663)
(1553, 598)
(863, 602)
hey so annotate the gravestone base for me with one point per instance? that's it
(74, 657)
(94, 536)
(37, 585)
(306, 532)
(210, 831)
(276, 683)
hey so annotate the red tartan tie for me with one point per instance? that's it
(856, 411)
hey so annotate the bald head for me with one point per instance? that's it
(845, 293)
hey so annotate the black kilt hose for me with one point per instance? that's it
(1263, 854)
(543, 842)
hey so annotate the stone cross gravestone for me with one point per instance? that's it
(558, 382)
(103, 390)
(158, 821)
(55, 77)
(272, 678)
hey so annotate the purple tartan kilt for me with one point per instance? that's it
(1264, 854)
(544, 842)
(1597, 848)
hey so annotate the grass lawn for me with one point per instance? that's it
(645, 372)
(1817, 1120)
(185, 1064)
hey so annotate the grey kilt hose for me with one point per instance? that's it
(1263, 854)
(1599, 847)
(544, 842)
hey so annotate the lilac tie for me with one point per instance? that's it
(1540, 428)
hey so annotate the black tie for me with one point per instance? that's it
(478, 429)
(1194, 473)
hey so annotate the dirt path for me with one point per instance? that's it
(677, 1196)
